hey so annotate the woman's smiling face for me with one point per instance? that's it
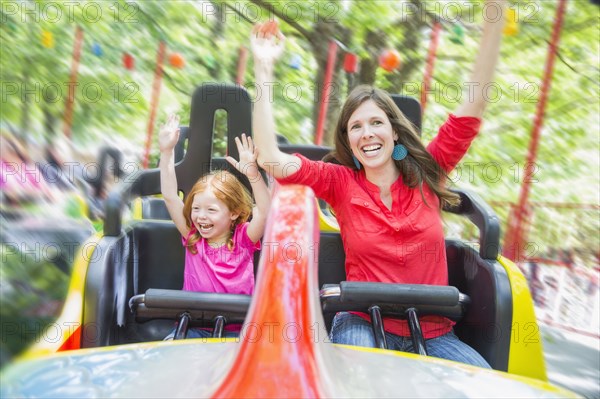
(371, 136)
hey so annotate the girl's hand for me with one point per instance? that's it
(169, 134)
(248, 154)
(267, 42)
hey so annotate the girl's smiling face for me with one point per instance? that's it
(212, 218)
(371, 136)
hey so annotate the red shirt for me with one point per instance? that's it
(404, 245)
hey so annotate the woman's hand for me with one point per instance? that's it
(267, 43)
(248, 155)
(484, 68)
(169, 134)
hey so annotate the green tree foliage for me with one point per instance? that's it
(111, 101)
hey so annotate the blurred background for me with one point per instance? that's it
(85, 85)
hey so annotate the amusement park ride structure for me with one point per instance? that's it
(125, 296)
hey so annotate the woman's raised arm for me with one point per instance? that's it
(485, 64)
(267, 45)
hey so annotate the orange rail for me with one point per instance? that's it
(280, 336)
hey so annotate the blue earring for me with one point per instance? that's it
(356, 162)
(400, 152)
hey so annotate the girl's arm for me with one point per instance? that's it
(167, 139)
(267, 46)
(485, 64)
(248, 166)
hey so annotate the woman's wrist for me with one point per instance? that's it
(263, 67)
(167, 153)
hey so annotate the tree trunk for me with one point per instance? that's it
(217, 31)
(410, 65)
(374, 43)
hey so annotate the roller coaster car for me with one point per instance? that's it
(126, 286)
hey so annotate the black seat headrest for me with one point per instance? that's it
(207, 99)
(197, 160)
(411, 108)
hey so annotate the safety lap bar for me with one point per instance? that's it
(394, 299)
(159, 303)
(353, 291)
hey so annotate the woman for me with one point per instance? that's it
(386, 192)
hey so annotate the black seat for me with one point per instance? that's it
(411, 108)
(148, 253)
(154, 208)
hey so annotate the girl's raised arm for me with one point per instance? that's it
(267, 45)
(248, 166)
(485, 63)
(167, 139)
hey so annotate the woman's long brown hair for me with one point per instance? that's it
(418, 167)
(228, 189)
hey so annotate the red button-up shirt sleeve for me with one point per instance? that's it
(326, 179)
(453, 140)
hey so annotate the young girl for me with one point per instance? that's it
(213, 222)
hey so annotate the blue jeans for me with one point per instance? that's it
(202, 333)
(351, 329)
